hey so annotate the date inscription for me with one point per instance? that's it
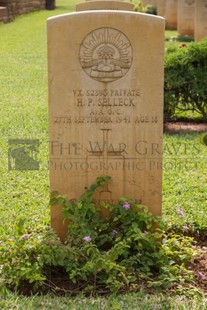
(114, 118)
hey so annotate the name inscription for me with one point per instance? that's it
(107, 106)
(106, 98)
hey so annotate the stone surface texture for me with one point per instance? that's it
(200, 20)
(186, 17)
(160, 7)
(171, 9)
(105, 5)
(106, 106)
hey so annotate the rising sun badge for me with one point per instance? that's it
(106, 54)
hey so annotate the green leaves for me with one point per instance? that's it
(126, 245)
(186, 80)
(112, 252)
(20, 226)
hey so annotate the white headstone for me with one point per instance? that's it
(186, 17)
(171, 10)
(106, 106)
(201, 20)
(105, 5)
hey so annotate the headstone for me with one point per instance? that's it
(200, 20)
(171, 14)
(150, 2)
(106, 106)
(3, 14)
(105, 5)
(103, 0)
(160, 4)
(186, 17)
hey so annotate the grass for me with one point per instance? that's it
(25, 194)
(184, 181)
(24, 115)
(139, 301)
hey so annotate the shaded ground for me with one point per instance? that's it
(58, 283)
(199, 268)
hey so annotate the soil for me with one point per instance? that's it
(199, 268)
(177, 127)
(58, 283)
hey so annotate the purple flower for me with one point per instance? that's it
(185, 227)
(126, 206)
(115, 232)
(87, 238)
(201, 275)
(180, 212)
(26, 236)
(145, 232)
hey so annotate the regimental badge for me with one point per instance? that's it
(106, 54)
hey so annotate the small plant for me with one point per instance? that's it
(149, 9)
(116, 253)
(120, 251)
(23, 256)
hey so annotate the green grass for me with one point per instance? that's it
(139, 301)
(25, 194)
(24, 115)
(184, 179)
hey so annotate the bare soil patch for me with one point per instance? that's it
(199, 268)
(177, 127)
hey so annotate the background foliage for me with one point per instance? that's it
(185, 87)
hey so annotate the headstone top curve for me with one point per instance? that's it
(109, 12)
